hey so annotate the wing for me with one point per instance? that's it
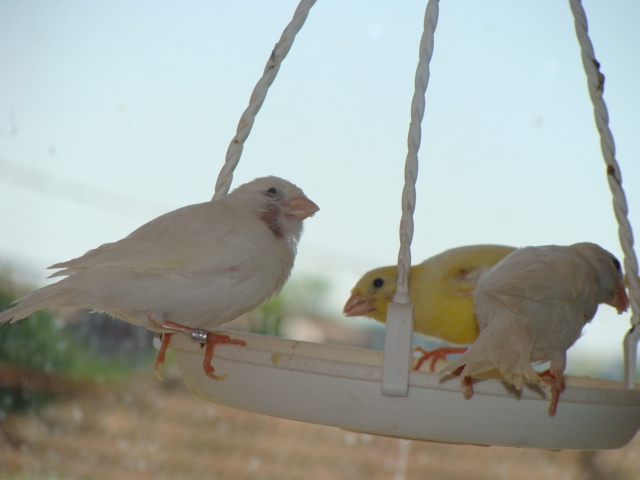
(539, 274)
(457, 270)
(205, 237)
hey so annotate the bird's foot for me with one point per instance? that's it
(557, 387)
(467, 384)
(157, 320)
(162, 353)
(197, 335)
(212, 339)
(435, 355)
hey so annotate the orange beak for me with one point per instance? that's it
(300, 207)
(358, 305)
(620, 300)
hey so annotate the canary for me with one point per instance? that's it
(190, 269)
(441, 290)
(531, 307)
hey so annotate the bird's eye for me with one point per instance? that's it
(616, 264)
(378, 282)
(273, 192)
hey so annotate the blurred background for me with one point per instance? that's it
(112, 113)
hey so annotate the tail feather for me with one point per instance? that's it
(50, 296)
(504, 345)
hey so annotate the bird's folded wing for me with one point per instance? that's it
(540, 283)
(194, 238)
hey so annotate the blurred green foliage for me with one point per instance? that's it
(40, 344)
(35, 342)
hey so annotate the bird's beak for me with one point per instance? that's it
(300, 207)
(358, 305)
(620, 300)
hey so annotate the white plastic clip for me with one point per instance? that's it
(397, 350)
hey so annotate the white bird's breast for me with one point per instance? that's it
(255, 269)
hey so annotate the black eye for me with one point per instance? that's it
(378, 282)
(272, 192)
(616, 264)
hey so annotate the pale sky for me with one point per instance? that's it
(112, 113)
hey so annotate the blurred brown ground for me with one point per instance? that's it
(157, 430)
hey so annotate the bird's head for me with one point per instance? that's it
(608, 273)
(280, 204)
(373, 292)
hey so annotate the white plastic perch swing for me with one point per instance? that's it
(376, 392)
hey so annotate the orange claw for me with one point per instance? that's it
(156, 318)
(557, 387)
(467, 383)
(436, 354)
(212, 340)
(162, 353)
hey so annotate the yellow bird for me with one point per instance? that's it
(441, 289)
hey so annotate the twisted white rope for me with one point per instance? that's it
(258, 95)
(595, 82)
(397, 346)
(413, 142)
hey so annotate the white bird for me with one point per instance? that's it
(531, 307)
(193, 268)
